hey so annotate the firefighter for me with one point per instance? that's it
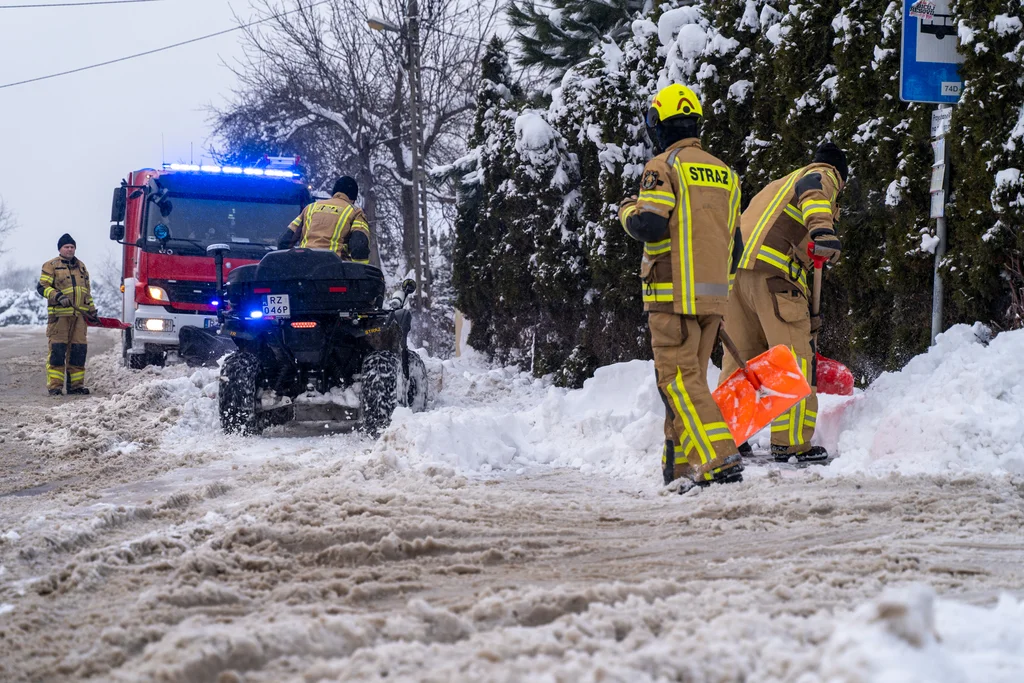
(64, 283)
(336, 224)
(769, 300)
(687, 216)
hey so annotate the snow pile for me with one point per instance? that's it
(956, 408)
(908, 636)
(612, 425)
(21, 308)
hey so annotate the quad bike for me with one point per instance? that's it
(310, 339)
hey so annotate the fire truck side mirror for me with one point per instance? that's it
(117, 232)
(117, 206)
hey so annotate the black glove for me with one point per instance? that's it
(63, 301)
(815, 323)
(827, 244)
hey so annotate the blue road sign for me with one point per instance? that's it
(930, 59)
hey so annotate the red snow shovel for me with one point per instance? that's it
(833, 376)
(760, 391)
(109, 323)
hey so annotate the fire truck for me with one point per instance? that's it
(165, 219)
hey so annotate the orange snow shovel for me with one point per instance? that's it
(760, 391)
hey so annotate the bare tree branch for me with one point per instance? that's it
(7, 223)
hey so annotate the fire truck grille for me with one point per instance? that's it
(186, 292)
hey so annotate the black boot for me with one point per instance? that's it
(77, 390)
(54, 392)
(746, 450)
(731, 472)
(812, 454)
(668, 457)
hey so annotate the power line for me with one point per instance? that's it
(76, 4)
(162, 49)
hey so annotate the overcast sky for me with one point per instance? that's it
(67, 142)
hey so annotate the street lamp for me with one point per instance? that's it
(419, 212)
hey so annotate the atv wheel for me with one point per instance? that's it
(381, 371)
(237, 394)
(416, 393)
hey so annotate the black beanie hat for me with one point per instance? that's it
(828, 153)
(347, 185)
(65, 239)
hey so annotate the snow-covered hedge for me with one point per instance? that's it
(548, 276)
(26, 307)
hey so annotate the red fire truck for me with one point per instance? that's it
(167, 218)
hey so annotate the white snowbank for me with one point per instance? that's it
(956, 408)
(908, 636)
(611, 425)
(21, 308)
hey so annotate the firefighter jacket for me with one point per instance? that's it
(336, 224)
(67, 277)
(785, 216)
(687, 215)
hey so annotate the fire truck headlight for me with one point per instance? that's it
(157, 293)
(154, 324)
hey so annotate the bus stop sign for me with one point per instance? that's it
(930, 59)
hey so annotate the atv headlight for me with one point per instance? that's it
(157, 293)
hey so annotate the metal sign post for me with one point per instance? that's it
(930, 72)
(938, 188)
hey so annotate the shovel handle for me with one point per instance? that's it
(730, 346)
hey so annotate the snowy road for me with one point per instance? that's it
(506, 535)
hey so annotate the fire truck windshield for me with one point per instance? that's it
(251, 227)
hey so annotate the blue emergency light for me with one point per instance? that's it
(276, 168)
(256, 315)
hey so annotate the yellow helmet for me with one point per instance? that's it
(674, 100)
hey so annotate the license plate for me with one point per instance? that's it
(209, 322)
(277, 305)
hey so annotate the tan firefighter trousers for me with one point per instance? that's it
(699, 437)
(67, 339)
(766, 310)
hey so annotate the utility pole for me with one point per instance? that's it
(410, 34)
(412, 52)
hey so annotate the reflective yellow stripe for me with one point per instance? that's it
(718, 431)
(774, 257)
(46, 279)
(626, 213)
(807, 203)
(691, 420)
(750, 249)
(360, 224)
(48, 291)
(658, 194)
(339, 226)
(363, 261)
(657, 197)
(687, 295)
(734, 210)
(660, 292)
(305, 228)
(794, 214)
(655, 248)
(77, 376)
(810, 212)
